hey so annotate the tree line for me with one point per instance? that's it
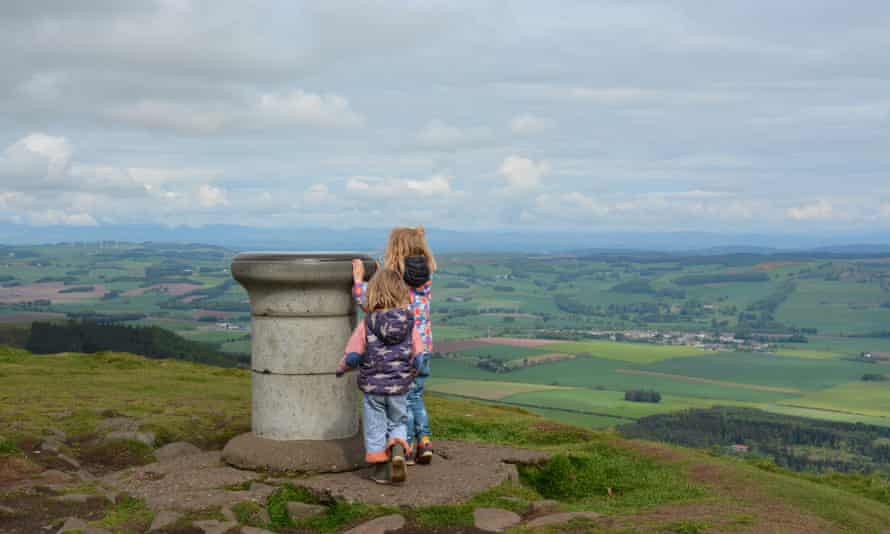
(149, 341)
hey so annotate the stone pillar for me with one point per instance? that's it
(303, 418)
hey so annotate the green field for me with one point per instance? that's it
(765, 369)
(808, 353)
(836, 307)
(627, 352)
(611, 402)
(861, 398)
(601, 373)
(486, 389)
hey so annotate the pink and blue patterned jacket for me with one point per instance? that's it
(420, 307)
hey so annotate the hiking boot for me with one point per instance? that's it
(425, 451)
(380, 473)
(399, 466)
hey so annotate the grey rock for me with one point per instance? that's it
(300, 510)
(57, 433)
(178, 449)
(228, 514)
(85, 475)
(544, 507)
(494, 519)
(73, 523)
(263, 516)
(556, 519)
(260, 491)
(255, 530)
(164, 519)
(70, 461)
(145, 437)
(380, 525)
(215, 527)
(51, 445)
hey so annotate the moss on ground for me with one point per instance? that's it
(129, 515)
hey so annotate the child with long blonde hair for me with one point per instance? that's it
(409, 254)
(383, 348)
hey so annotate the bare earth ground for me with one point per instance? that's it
(50, 291)
(467, 344)
(518, 342)
(196, 482)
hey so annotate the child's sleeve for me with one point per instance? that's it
(417, 346)
(355, 349)
(360, 292)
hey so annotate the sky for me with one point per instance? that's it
(730, 116)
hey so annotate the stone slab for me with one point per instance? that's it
(188, 483)
(557, 519)
(458, 471)
(178, 449)
(248, 451)
(494, 519)
(381, 525)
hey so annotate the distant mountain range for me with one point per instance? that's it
(303, 238)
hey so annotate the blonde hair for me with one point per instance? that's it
(387, 290)
(407, 241)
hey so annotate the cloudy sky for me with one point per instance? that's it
(596, 115)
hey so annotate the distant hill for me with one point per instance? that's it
(154, 342)
(443, 240)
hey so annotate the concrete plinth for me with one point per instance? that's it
(303, 418)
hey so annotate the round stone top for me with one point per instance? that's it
(297, 267)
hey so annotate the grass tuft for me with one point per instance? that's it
(609, 479)
(128, 515)
(8, 447)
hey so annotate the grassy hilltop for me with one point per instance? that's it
(638, 486)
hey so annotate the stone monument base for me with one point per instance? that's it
(249, 451)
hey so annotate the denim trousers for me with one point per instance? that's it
(384, 419)
(418, 420)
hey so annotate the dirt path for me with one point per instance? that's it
(709, 381)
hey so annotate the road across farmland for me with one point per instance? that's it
(709, 381)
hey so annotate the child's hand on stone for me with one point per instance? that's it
(358, 271)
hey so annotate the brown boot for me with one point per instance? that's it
(399, 467)
(380, 473)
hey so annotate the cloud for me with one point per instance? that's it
(263, 111)
(316, 195)
(611, 95)
(523, 174)
(527, 124)
(437, 187)
(440, 135)
(172, 116)
(211, 197)
(820, 209)
(301, 108)
(36, 160)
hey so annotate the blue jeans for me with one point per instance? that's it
(383, 420)
(418, 420)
